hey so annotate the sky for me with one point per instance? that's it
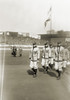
(30, 15)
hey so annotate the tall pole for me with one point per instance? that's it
(51, 20)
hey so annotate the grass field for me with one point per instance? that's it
(19, 84)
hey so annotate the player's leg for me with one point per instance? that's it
(43, 64)
(47, 65)
(31, 66)
(51, 63)
(60, 70)
(35, 68)
(64, 66)
(57, 69)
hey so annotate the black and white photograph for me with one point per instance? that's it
(34, 50)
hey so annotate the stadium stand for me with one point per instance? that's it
(23, 40)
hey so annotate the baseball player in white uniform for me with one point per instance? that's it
(66, 58)
(34, 58)
(45, 57)
(51, 56)
(59, 52)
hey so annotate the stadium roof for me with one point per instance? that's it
(58, 35)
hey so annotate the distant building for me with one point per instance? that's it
(60, 36)
(23, 34)
(27, 34)
(51, 32)
(7, 33)
(36, 36)
(10, 33)
(1, 32)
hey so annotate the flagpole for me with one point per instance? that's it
(51, 21)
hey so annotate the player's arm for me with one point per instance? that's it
(43, 53)
(38, 54)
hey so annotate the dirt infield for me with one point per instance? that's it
(19, 83)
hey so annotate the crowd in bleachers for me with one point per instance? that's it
(27, 41)
(23, 40)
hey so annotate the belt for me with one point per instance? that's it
(34, 60)
(58, 60)
(45, 58)
(50, 57)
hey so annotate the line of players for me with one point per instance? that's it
(52, 58)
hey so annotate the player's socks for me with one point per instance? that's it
(47, 69)
(43, 67)
(59, 74)
(33, 70)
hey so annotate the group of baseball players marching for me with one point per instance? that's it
(54, 58)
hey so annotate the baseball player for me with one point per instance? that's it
(66, 58)
(51, 56)
(45, 57)
(34, 58)
(59, 52)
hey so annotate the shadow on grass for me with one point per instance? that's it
(30, 72)
(41, 69)
(52, 74)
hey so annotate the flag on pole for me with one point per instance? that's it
(49, 16)
(45, 23)
(50, 10)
